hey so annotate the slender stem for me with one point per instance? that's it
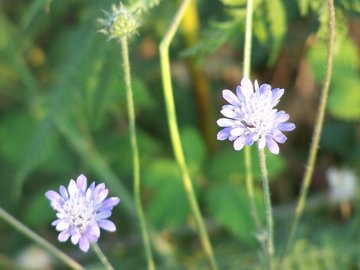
(135, 151)
(268, 210)
(102, 256)
(39, 240)
(317, 130)
(246, 72)
(248, 37)
(174, 131)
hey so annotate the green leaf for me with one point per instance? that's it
(194, 148)
(16, 130)
(38, 212)
(234, 2)
(35, 7)
(230, 207)
(338, 137)
(168, 206)
(229, 165)
(276, 17)
(344, 97)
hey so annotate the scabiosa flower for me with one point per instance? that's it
(343, 184)
(82, 211)
(120, 22)
(251, 117)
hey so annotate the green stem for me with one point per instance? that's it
(268, 210)
(174, 131)
(135, 151)
(102, 256)
(246, 73)
(39, 240)
(248, 36)
(317, 131)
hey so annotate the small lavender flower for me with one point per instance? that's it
(251, 117)
(82, 211)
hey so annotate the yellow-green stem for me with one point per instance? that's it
(102, 256)
(174, 131)
(39, 240)
(246, 74)
(268, 210)
(317, 131)
(135, 153)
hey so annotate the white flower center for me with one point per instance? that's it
(79, 212)
(258, 115)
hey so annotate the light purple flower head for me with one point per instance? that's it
(251, 117)
(82, 211)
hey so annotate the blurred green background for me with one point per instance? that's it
(63, 113)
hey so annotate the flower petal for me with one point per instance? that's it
(103, 214)
(239, 94)
(278, 136)
(84, 243)
(225, 122)
(230, 97)
(53, 196)
(72, 188)
(265, 89)
(272, 145)
(107, 225)
(63, 192)
(228, 113)
(93, 229)
(286, 126)
(251, 138)
(281, 116)
(62, 225)
(109, 203)
(276, 95)
(237, 131)
(64, 236)
(239, 143)
(75, 237)
(262, 143)
(102, 195)
(246, 88)
(81, 182)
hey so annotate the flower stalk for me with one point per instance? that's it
(268, 210)
(246, 73)
(317, 130)
(135, 152)
(102, 256)
(39, 240)
(174, 131)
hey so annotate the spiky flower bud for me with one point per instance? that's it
(120, 22)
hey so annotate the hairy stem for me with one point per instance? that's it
(102, 256)
(135, 153)
(39, 240)
(246, 72)
(317, 130)
(268, 210)
(174, 131)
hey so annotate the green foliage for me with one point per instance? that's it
(63, 112)
(229, 205)
(344, 97)
(169, 206)
(194, 148)
(269, 27)
(229, 165)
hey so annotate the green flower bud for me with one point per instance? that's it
(120, 22)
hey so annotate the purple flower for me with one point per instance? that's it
(82, 211)
(251, 117)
